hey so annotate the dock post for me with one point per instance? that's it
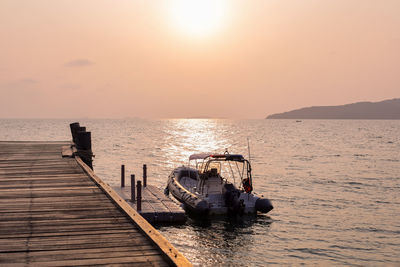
(144, 175)
(80, 129)
(74, 127)
(83, 140)
(133, 187)
(84, 146)
(139, 196)
(122, 175)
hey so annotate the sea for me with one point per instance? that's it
(334, 184)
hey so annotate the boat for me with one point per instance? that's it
(216, 184)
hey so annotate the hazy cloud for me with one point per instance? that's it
(26, 87)
(79, 63)
(28, 81)
(70, 86)
(21, 83)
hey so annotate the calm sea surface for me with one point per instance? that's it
(335, 184)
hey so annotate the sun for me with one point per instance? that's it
(198, 18)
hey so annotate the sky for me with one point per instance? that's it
(179, 59)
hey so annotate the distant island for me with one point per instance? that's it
(384, 110)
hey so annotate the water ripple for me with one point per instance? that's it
(334, 184)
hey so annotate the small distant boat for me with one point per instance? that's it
(298, 120)
(218, 184)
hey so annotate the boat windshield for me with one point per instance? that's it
(188, 173)
(203, 168)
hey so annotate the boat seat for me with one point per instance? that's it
(214, 185)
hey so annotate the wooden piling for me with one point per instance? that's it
(81, 129)
(74, 127)
(144, 175)
(83, 140)
(122, 175)
(132, 187)
(139, 196)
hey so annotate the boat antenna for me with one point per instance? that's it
(248, 148)
(249, 165)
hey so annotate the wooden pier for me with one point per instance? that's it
(54, 211)
(156, 208)
(149, 201)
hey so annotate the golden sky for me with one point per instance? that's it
(162, 59)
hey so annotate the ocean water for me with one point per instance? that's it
(335, 184)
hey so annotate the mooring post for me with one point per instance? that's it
(122, 175)
(144, 175)
(74, 127)
(132, 187)
(80, 129)
(139, 196)
(83, 140)
(84, 146)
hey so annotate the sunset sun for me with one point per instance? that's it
(199, 18)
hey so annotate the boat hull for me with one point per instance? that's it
(229, 200)
(190, 200)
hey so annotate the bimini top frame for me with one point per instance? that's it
(209, 161)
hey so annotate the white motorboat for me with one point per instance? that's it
(216, 184)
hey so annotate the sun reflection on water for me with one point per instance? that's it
(187, 136)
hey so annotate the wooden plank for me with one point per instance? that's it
(43, 181)
(69, 239)
(46, 186)
(65, 222)
(62, 255)
(45, 178)
(49, 193)
(75, 232)
(24, 245)
(152, 260)
(66, 199)
(24, 210)
(103, 251)
(64, 229)
(60, 228)
(66, 151)
(76, 215)
(32, 205)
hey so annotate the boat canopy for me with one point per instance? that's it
(199, 156)
(232, 157)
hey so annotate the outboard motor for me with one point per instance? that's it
(231, 196)
(201, 207)
(263, 205)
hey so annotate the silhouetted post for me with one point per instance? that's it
(144, 175)
(84, 141)
(122, 175)
(74, 127)
(80, 129)
(139, 196)
(132, 187)
(84, 146)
